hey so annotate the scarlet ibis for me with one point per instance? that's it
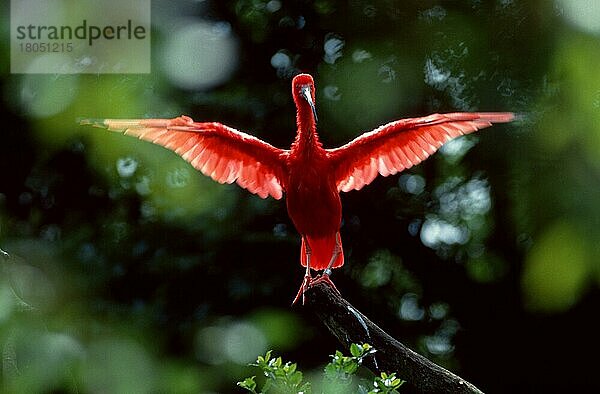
(311, 177)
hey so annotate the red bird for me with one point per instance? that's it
(311, 176)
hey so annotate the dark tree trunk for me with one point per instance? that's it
(349, 326)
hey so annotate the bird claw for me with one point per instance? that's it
(324, 278)
(309, 282)
(306, 283)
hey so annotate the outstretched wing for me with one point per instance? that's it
(221, 152)
(402, 144)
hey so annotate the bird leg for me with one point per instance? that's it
(306, 282)
(337, 249)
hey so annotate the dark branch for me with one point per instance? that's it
(349, 326)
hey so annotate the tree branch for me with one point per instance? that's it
(349, 326)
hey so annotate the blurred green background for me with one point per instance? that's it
(130, 272)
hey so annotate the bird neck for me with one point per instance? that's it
(307, 139)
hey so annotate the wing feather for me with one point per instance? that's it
(221, 152)
(402, 144)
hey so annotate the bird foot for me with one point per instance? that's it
(309, 282)
(306, 283)
(324, 278)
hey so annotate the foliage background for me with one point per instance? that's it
(130, 272)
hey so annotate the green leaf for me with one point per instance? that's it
(290, 368)
(387, 383)
(284, 377)
(367, 348)
(296, 378)
(261, 361)
(248, 384)
(350, 368)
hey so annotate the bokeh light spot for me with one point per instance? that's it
(230, 342)
(44, 95)
(333, 48)
(118, 366)
(435, 232)
(200, 55)
(413, 184)
(281, 60)
(556, 269)
(583, 14)
(126, 166)
(410, 309)
(242, 342)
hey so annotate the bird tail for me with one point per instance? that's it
(321, 251)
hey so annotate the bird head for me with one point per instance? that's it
(303, 90)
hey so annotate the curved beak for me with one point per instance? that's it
(305, 91)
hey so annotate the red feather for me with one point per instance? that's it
(223, 153)
(402, 144)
